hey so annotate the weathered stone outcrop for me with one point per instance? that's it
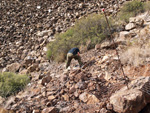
(134, 99)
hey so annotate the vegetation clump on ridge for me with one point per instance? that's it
(11, 83)
(89, 31)
(133, 8)
(92, 29)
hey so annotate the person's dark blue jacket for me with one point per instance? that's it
(74, 51)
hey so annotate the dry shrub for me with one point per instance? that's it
(138, 53)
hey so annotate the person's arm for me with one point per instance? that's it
(79, 53)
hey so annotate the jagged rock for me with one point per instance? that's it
(97, 46)
(13, 67)
(25, 71)
(125, 34)
(2, 110)
(130, 26)
(4, 70)
(84, 97)
(137, 20)
(44, 33)
(104, 110)
(107, 76)
(32, 68)
(144, 32)
(104, 44)
(28, 61)
(66, 97)
(51, 97)
(105, 58)
(72, 89)
(50, 110)
(36, 111)
(65, 109)
(90, 99)
(134, 99)
(109, 106)
(46, 80)
(1, 100)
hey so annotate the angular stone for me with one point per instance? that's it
(97, 46)
(46, 79)
(123, 35)
(36, 111)
(105, 58)
(107, 76)
(137, 20)
(89, 98)
(134, 99)
(66, 97)
(43, 33)
(25, 71)
(92, 99)
(32, 68)
(51, 97)
(84, 97)
(144, 32)
(50, 110)
(130, 26)
(13, 67)
(2, 110)
(104, 110)
(109, 106)
(1, 100)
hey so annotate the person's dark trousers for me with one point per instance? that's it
(70, 56)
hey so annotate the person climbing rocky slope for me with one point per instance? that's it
(91, 89)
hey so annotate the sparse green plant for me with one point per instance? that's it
(131, 9)
(93, 28)
(11, 83)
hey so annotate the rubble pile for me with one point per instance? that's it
(76, 91)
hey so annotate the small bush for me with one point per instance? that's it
(131, 9)
(11, 83)
(93, 28)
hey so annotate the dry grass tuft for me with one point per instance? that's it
(138, 53)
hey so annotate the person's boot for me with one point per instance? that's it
(66, 71)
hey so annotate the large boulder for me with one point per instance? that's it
(134, 99)
(88, 98)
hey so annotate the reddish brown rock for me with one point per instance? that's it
(46, 79)
(50, 110)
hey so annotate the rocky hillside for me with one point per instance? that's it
(26, 28)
